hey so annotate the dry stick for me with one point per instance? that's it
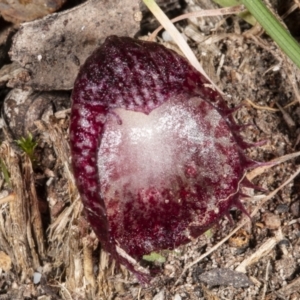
(254, 212)
(203, 13)
(291, 104)
(261, 252)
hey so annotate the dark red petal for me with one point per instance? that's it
(155, 155)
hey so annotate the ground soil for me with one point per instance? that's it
(48, 250)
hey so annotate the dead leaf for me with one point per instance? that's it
(53, 48)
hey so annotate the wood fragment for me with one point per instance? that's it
(88, 261)
(18, 240)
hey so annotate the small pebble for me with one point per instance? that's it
(282, 208)
(160, 295)
(37, 277)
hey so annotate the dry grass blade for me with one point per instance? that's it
(258, 171)
(179, 40)
(203, 13)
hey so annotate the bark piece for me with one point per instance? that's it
(53, 48)
(21, 231)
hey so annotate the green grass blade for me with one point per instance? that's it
(273, 27)
(5, 173)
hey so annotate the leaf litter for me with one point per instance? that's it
(44, 230)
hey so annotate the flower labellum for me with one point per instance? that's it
(156, 155)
